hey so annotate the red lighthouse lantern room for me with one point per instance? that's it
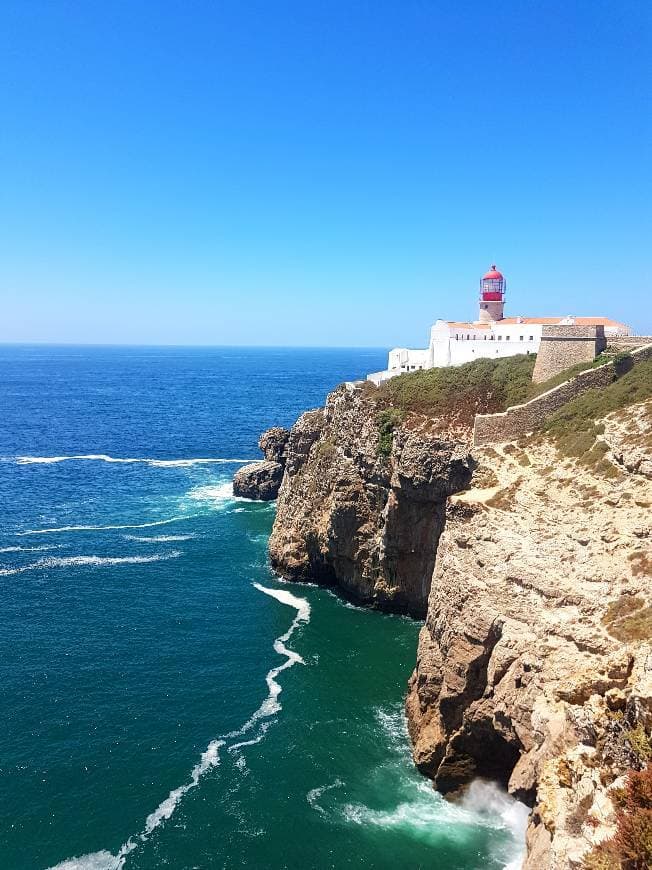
(492, 286)
(492, 296)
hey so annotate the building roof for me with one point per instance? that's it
(544, 321)
(553, 321)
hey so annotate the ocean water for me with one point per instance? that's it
(166, 701)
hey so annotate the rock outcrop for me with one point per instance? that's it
(534, 665)
(262, 480)
(361, 517)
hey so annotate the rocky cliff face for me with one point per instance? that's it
(359, 515)
(534, 665)
(262, 480)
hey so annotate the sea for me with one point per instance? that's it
(167, 702)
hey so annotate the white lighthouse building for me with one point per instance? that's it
(491, 335)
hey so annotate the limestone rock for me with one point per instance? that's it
(525, 669)
(262, 480)
(259, 480)
(352, 517)
(273, 443)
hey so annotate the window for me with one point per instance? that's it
(500, 338)
(531, 338)
(521, 337)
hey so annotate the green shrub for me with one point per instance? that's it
(326, 449)
(387, 422)
(483, 386)
(574, 426)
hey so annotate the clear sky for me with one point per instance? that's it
(319, 172)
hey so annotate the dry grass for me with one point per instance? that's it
(504, 499)
(628, 620)
(641, 563)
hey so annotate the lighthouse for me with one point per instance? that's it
(492, 296)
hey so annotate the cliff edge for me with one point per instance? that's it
(534, 666)
(362, 503)
(531, 563)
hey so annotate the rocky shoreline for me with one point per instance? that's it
(532, 573)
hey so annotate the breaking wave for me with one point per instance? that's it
(214, 494)
(104, 528)
(102, 457)
(30, 549)
(158, 539)
(89, 561)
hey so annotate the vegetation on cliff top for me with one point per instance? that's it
(574, 426)
(483, 386)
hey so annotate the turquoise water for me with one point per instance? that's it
(167, 702)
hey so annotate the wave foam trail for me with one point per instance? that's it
(210, 758)
(89, 561)
(94, 861)
(30, 549)
(157, 539)
(271, 704)
(102, 457)
(315, 794)
(103, 528)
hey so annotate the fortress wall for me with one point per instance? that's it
(623, 343)
(564, 346)
(522, 419)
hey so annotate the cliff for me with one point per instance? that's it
(530, 561)
(534, 665)
(362, 503)
(262, 480)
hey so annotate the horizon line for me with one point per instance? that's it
(199, 346)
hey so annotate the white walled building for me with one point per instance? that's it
(491, 335)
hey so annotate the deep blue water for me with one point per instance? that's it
(144, 642)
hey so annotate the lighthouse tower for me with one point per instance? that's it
(492, 296)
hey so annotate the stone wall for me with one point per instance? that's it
(521, 419)
(565, 346)
(626, 343)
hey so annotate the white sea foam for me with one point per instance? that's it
(315, 794)
(427, 816)
(101, 860)
(495, 808)
(271, 704)
(104, 528)
(210, 758)
(158, 539)
(102, 457)
(90, 561)
(214, 494)
(30, 549)
(94, 861)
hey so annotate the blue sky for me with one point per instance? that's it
(319, 173)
